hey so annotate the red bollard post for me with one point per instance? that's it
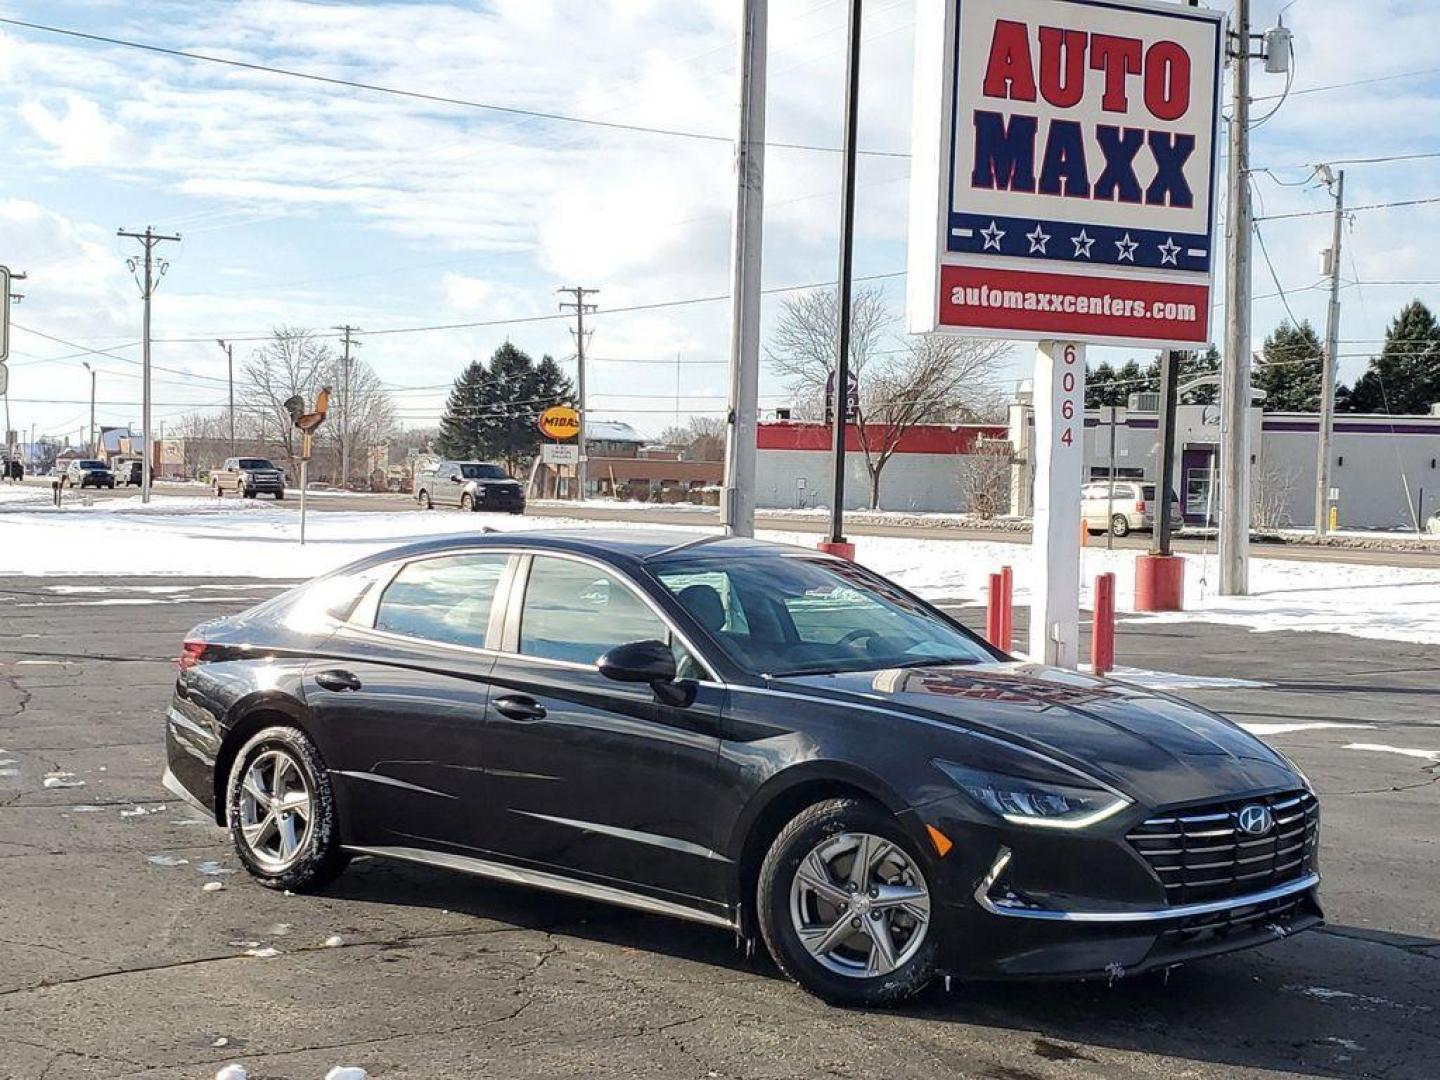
(1007, 613)
(994, 610)
(1102, 636)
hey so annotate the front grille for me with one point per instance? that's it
(1201, 853)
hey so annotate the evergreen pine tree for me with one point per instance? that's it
(466, 413)
(1405, 377)
(1099, 385)
(1291, 373)
(1195, 364)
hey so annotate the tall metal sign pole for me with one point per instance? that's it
(150, 239)
(1063, 191)
(1332, 346)
(840, 403)
(1234, 542)
(737, 503)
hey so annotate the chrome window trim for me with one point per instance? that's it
(541, 879)
(510, 646)
(1181, 911)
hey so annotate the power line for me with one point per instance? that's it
(1354, 82)
(420, 95)
(1352, 209)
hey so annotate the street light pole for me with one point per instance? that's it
(230, 369)
(841, 394)
(93, 448)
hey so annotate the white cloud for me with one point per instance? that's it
(81, 135)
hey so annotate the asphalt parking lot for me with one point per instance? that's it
(115, 962)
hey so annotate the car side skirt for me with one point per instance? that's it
(540, 879)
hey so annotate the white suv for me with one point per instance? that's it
(1133, 507)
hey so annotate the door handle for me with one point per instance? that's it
(339, 681)
(520, 707)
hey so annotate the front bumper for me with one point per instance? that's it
(265, 485)
(1025, 903)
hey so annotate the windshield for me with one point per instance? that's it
(483, 472)
(787, 615)
(90, 465)
(255, 463)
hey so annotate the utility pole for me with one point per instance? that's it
(836, 543)
(150, 239)
(1234, 545)
(345, 426)
(1336, 183)
(230, 369)
(93, 448)
(581, 309)
(737, 502)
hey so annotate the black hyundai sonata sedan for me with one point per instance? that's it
(745, 735)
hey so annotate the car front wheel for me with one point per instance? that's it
(844, 906)
(281, 812)
(466, 502)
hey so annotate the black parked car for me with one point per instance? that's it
(745, 735)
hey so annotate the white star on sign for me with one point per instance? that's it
(1170, 252)
(1082, 244)
(992, 237)
(1038, 239)
(1127, 248)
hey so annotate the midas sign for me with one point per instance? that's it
(1064, 180)
(560, 422)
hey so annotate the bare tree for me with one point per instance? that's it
(985, 478)
(1271, 486)
(292, 362)
(903, 380)
(365, 418)
(702, 438)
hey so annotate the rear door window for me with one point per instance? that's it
(447, 600)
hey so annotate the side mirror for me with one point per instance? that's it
(639, 661)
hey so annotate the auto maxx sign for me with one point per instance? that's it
(1064, 170)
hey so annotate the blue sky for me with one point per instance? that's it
(314, 206)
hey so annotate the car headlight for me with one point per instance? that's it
(1043, 804)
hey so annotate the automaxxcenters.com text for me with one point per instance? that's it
(984, 296)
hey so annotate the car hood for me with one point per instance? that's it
(1153, 747)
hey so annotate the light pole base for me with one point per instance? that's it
(842, 548)
(1159, 583)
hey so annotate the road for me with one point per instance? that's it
(709, 517)
(115, 963)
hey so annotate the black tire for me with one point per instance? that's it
(279, 496)
(425, 500)
(219, 492)
(249, 494)
(467, 503)
(1120, 525)
(772, 904)
(320, 858)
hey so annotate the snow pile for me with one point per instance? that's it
(237, 539)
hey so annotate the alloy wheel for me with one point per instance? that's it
(860, 905)
(276, 810)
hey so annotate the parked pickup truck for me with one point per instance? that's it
(470, 485)
(248, 476)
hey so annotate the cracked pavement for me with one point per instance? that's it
(113, 965)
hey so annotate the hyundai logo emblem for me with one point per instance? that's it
(1255, 819)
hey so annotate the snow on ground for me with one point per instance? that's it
(230, 540)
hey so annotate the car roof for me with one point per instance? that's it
(640, 545)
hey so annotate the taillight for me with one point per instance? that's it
(191, 653)
(1139, 506)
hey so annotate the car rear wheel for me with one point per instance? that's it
(844, 906)
(426, 501)
(1120, 525)
(281, 812)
